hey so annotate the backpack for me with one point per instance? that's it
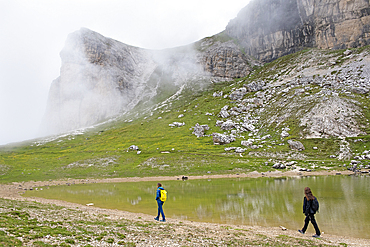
(163, 197)
(315, 205)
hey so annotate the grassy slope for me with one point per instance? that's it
(103, 152)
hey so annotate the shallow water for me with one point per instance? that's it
(344, 201)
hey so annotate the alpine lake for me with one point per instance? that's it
(344, 201)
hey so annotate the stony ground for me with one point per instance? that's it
(42, 222)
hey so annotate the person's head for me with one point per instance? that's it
(308, 193)
(159, 185)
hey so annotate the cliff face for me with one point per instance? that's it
(268, 29)
(101, 77)
(94, 75)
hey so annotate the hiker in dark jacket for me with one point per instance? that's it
(309, 211)
(160, 203)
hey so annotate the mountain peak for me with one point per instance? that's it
(268, 29)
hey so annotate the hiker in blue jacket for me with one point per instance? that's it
(309, 210)
(160, 203)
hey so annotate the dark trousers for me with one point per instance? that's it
(311, 218)
(160, 209)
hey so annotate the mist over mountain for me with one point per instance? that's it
(101, 78)
(268, 29)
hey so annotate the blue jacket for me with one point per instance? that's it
(159, 193)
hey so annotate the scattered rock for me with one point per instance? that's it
(238, 94)
(359, 90)
(284, 134)
(176, 124)
(134, 147)
(247, 143)
(299, 91)
(228, 125)
(291, 163)
(217, 94)
(347, 52)
(254, 86)
(219, 123)
(248, 127)
(221, 139)
(240, 150)
(283, 228)
(224, 113)
(297, 145)
(265, 137)
(200, 129)
(279, 166)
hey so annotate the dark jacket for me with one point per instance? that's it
(158, 195)
(307, 206)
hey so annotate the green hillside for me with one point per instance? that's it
(103, 151)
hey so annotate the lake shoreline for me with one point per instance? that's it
(13, 191)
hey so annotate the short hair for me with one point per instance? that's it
(159, 184)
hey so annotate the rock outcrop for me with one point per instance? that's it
(223, 59)
(268, 29)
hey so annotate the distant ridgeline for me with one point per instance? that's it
(101, 77)
(268, 29)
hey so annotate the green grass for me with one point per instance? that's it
(8, 241)
(103, 152)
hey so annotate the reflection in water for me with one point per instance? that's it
(343, 201)
(134, 202)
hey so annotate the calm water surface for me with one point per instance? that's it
(344, 201)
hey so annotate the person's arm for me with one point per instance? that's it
(304, 205)
(158, 195)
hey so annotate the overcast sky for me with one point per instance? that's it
(33, 33)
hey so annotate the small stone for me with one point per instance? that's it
(284, 134)
(297, 145)
(239, 150)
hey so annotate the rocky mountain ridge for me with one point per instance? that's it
(315, 95)
(101, 78)
(268, 29)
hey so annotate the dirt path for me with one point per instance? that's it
(182, 227)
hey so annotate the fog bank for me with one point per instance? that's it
(34, 32)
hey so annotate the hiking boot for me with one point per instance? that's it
(162, 220)
(156, 218)
(300, 231)
(316, 236)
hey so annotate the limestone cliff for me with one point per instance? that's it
(95, 72)
(268, 29)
